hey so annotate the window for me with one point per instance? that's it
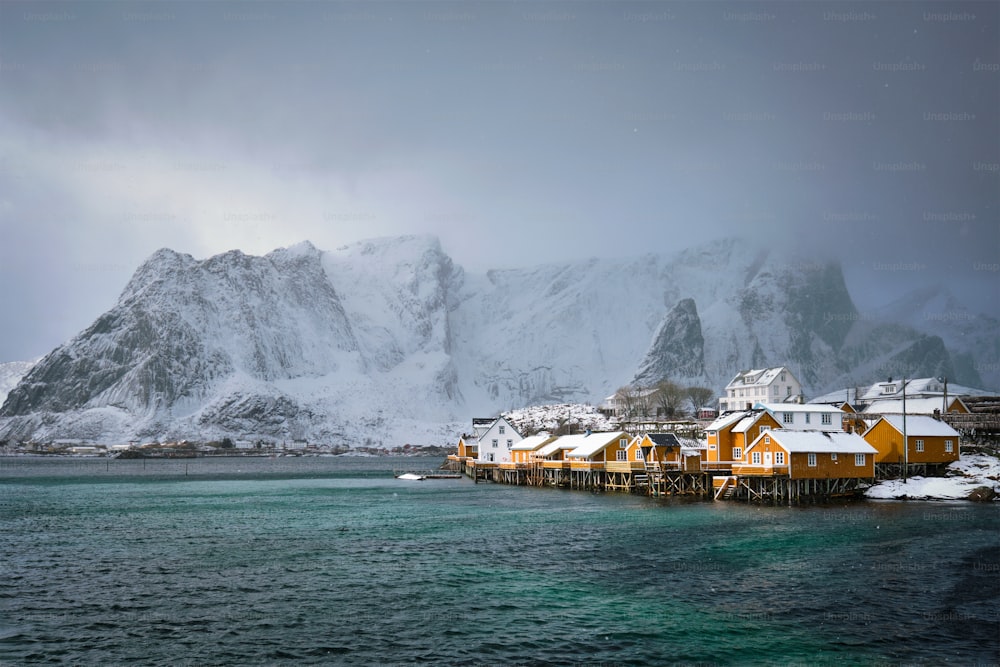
(782, 377)
(494, 442)
(833, 456)
(621, 455)
(859, 459)
(638, 454)
(808, 420)
(827, 418)
(779, 458)
(920, 445)
(788, 390)
(510, 443)
(811, 459)
(711, 446)
(889, 389)
(623, 443)
(786, 417)
(764, 429)
(737, 452)
(755, 458)
(501, 430)
(767, 440)
(949, 446)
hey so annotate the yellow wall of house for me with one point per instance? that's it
(889, 443)
(796, 465)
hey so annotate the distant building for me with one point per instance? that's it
(770, 385)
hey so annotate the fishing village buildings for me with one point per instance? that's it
(772, 447)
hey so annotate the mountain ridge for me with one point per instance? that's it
(389, 340)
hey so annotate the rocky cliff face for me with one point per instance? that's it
(389, 341)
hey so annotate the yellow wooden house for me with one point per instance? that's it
(808, 455)
(930, 441)
(594, 450)
(728, 436)
(527, 449)
(663, 451)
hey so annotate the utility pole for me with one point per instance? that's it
(906, 445)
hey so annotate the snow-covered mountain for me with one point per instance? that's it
(389, 341)
(11, 373)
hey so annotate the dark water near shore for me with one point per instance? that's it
(331, 560)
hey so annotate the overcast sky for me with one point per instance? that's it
(519, 133)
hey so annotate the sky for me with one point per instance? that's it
(518, 133)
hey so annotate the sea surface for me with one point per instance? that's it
(333, 561)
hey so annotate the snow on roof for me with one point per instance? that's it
(725, 420)
(918, 425)
(797, 407)
(564, 442)
(746, 422)
(916, 406)
(594, 443)
(819, 441)
(532, 442)
(757, 376)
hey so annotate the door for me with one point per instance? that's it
(767, 459)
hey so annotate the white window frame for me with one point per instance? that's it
(833, 456)
(510, 443)
(808, 418)
(779, 458)
(764, 429)
(495, 442)
(949, 446)
(920, 445)
(638, 454)
(787, 418)
(811, 459)
(755, 458)
(827, 418)
(621, 455)
(737, 453)
(859, 459)
(501, 429)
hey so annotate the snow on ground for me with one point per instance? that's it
(551, 417)
(964, 476)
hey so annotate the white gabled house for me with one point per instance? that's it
(805, 416)
(497, 441)
(769, 385)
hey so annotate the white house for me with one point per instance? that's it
(771, 385)
(805, 416)
(497, 441)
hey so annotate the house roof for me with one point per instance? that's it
(917, 406)
(592, 443)
(533, 442)
(818, 441)
(756, 377)
(811, 408)
(664, 439)
(919, 425)
(914, 387)
(725, 420)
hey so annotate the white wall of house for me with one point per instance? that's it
(495, 444)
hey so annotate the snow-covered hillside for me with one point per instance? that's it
(10, 374)
(389, 341)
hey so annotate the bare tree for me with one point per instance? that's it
(699, 397)
(627, 400)
(670, 399)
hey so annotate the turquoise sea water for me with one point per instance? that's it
(332, 561)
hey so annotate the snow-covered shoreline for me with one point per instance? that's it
(964, 477)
